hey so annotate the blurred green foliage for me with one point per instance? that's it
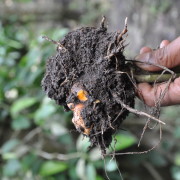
(159, 6)
(35, 138)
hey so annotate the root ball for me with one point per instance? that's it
(83, 73)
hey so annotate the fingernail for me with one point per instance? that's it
(145, 49)
(164, 43)
(138, 57)
(145, 57)
(142, 58)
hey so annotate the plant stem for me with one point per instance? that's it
(150, 78)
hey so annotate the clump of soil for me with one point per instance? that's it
(86, 76)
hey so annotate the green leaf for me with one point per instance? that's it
(9, 145)
(11, 167)
(28, 161)
(22, 104)
(82, 143)
(123, 141)
(91, 172)
(80, 168)
(44, 112)
(175, 172)
(20, 122)
(14, 44)
(57, 129)
(99, 178)
(111, 166)
(52, 167)
(10, 155)
(177, 159)
(177, 132)
(95, 154)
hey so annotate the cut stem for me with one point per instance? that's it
(150, 78)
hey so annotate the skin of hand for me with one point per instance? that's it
(167, 55)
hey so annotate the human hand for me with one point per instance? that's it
(167, 55)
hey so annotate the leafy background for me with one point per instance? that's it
(37, 138)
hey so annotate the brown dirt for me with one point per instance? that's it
(89, 59)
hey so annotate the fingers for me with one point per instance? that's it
(145, 50)
(164, 43)
(168, 56)
(150, 94)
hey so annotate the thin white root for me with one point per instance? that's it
(135, 111)
(60, 46)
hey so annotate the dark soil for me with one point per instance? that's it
(92, 57)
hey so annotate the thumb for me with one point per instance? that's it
(168, 56)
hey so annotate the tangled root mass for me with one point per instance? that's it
(91, 57)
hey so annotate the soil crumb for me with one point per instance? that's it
(87, 76)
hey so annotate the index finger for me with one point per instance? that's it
(168, 56)
(149, 94)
